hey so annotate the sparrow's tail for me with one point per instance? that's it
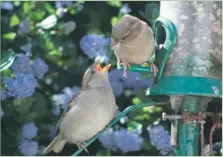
(56, 145)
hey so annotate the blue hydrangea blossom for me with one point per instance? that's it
(21, 86)
(94, 45)
(107, 139)
(29, 131)
(7, 6)
(64, 98)
(125, 9)
(22, 65)
(28, 147)
(40, 68)
(61, 4)
(132, 79)
(122, 139)
(160, 138)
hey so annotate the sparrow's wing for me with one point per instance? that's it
(71, 103)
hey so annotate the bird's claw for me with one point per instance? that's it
(154, 68)
(80, 146)
(124, 74)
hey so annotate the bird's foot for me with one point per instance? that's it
(80, 146)
(129, 66)
(124, 74)
(154, 68)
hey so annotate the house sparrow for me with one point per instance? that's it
(133, 42)
(88, 112)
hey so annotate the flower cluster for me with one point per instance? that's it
(24, 83)
(29, 131)
(21, 86)
(61, 101)
(27, 146)
(122, 139)
(94, 45)
(133, 81)
(160, 138)
(125, 9)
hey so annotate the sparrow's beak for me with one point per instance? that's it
(106, 68)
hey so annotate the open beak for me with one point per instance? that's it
(106, 68)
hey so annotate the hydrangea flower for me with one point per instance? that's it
(132, 79)
(117, 88)
(62, 4)
(21, 86)
(122, 139)
(28, 147)
(145, 83)
(64, 98)
(94, 45)
(128, 141)
(3, 94)
(29, 131)
(160, 138)
(22, 65)
(40, 68)
(107, 139)
(24, 27)
(125, 9)
(115, 75)
(7, 6)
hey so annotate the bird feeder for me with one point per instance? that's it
(190, 34)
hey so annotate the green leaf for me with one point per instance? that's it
(7, 59)
(14, 21)
(55, 53)
(38, 15)
(115, 3)
(48, 22)
(136, 101)
(114, 21)
(133, 125)
(49, 8)
(9, 36)
(25, 7)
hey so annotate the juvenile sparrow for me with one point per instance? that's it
(88, 113)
